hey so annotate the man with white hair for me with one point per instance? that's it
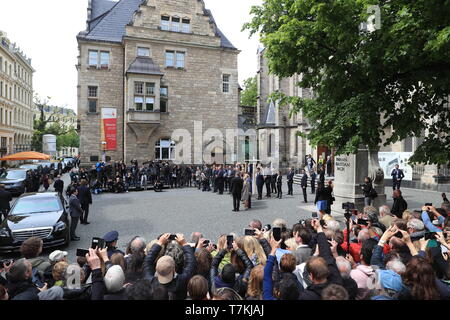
(386, 217)
(416, 230)
(396, 265)
(280, 223)
(345, 267)
(333, 225)
(114, 280)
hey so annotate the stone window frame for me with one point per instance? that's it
(164, 98)
(171, 149)
(143, 47)
(172, 23)
(92, 98)
(177, 15)
(144, 95)
(228, 83)
(175, 52)
(99, 51)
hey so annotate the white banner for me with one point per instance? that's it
(388, 160)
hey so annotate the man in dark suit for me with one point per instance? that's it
(75, 213)
(5, 198)
(267, 181)
(220, 180)
(313, 182)
(400, 205)
(273, 181)
(85, 197)
(304, 185)
(397, 176)
(290, 181)
(259, 182)
(236, 186)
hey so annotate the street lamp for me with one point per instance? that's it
(104, 151)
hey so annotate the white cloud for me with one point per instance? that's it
(46, 32)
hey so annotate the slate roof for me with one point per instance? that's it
(269, 115)
(144, 65)
(109, 18)
(99, 8)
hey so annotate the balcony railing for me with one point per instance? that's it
(144, 116)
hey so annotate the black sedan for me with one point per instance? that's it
(40, 215)
(15, 180)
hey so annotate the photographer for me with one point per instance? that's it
(368, 191)
(162, 272)
(227, 277)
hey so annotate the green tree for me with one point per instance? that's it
(50, 124)
(249, 96)
(396, 77)
(70, 139)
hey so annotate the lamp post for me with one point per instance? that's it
(104, 151)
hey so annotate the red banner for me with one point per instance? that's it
(110, 126)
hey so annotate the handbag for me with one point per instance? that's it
(373, 193)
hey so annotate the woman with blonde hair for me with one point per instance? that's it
(254, 250)
(407, 215)
(255, 284)
(246, 194)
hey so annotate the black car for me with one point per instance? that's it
(15, 181)
(40, 215)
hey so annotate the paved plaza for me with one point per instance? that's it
(149, 213)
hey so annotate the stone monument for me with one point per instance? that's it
(350, 171)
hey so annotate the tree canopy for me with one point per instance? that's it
(66, 135)
(249, 96)
(396, 77)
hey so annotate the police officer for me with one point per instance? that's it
(111, 243)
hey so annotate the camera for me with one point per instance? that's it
(172, 237)
(267, 227)
(249, 232)
(206, 243)
(348, 206)
(5, 261)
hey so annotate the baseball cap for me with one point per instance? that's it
(114, 278)
(57, 255)
(390, 280)
(165, 269)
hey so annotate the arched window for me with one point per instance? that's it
(165, 149)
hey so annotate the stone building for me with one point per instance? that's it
(152, 67)
(282, 148)
(278, 141)
(16, 98)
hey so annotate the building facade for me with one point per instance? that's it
(16, 98)
(64, 116)
(148, 68)
(278, 140)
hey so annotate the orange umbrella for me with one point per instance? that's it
(28, 155)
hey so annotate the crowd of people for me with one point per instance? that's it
(381, 256)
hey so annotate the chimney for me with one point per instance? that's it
(89, 14)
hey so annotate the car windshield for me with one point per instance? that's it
(29, 166)
(35, 205)
(14, 175)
